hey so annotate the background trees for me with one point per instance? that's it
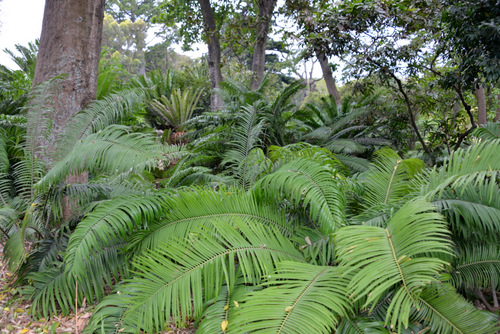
(265, 214)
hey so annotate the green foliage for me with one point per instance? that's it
(177, 108)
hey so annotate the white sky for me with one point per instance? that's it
(21, 23)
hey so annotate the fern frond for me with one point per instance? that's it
(447, 312)
(187, 210)
(476, 266)
(114, 150)
(307, 182)
(109, 224)
(176, 279)
(299, 298)
(395, 257)
(97, 116)
(464, 166)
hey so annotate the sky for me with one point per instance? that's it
(21, 23)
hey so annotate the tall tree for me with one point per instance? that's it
(265, 15)
(214, 51)
(70, 45)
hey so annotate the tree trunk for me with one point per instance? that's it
(482, 117)
(214, 63)
(70, 44)
(328, 76)
(266, 9)
(497, 116)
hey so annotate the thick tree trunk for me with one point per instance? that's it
(266, 9)
(328, 76)
(214, 63)
(70, 45)
(482, 117)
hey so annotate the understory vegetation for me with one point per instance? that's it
(283, 211)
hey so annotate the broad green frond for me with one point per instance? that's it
(177, 279)
(307, 182)
(187, 210)
(245, 138)
(472, 211)
(178, 108)
(447, 312)
(291, 152)
(52, 292)
(488, 131)
(109, 224)
(219, 310)
(299, 298)
(388, 181)
(97, 116)
(113, 150)
(361, 326)
(395, 257)
(464, 166)
(477, 266)
(355, 164)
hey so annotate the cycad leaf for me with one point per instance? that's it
(477, 266)
(109, 224)
(187, 210)
(447, 312)
(308, 182)
(300, 298)
(465, 166)
(176, 279)
(398, 255)
(113, 150)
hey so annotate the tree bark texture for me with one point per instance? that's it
(266, 9)
(328, 76)
(497, 116)
(482, 117)
(214, 53)
(70, 44)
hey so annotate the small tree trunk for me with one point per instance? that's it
(328, 76)
(482, 117)
(266, 9)
(214, 53)
(497, 116)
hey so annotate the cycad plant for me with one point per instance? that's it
(283, 257)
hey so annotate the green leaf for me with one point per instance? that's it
(397, 256)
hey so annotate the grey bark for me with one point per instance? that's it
(328, 76)
(497, 116)
(482, 117)
(70, 44)
(214, 53)
(266, 9)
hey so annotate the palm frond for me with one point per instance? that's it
(187, 210)
(177, 279)
(447, 312)
(299, 298)
(178, 108)
(109, 224)
(388, 181)
(245, 138)
(488, 131)
(113, 150)
(464, 166)
(395, 257)
(97, 116)
(476, 266)
(307, 182)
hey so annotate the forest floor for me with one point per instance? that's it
(15, 313)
